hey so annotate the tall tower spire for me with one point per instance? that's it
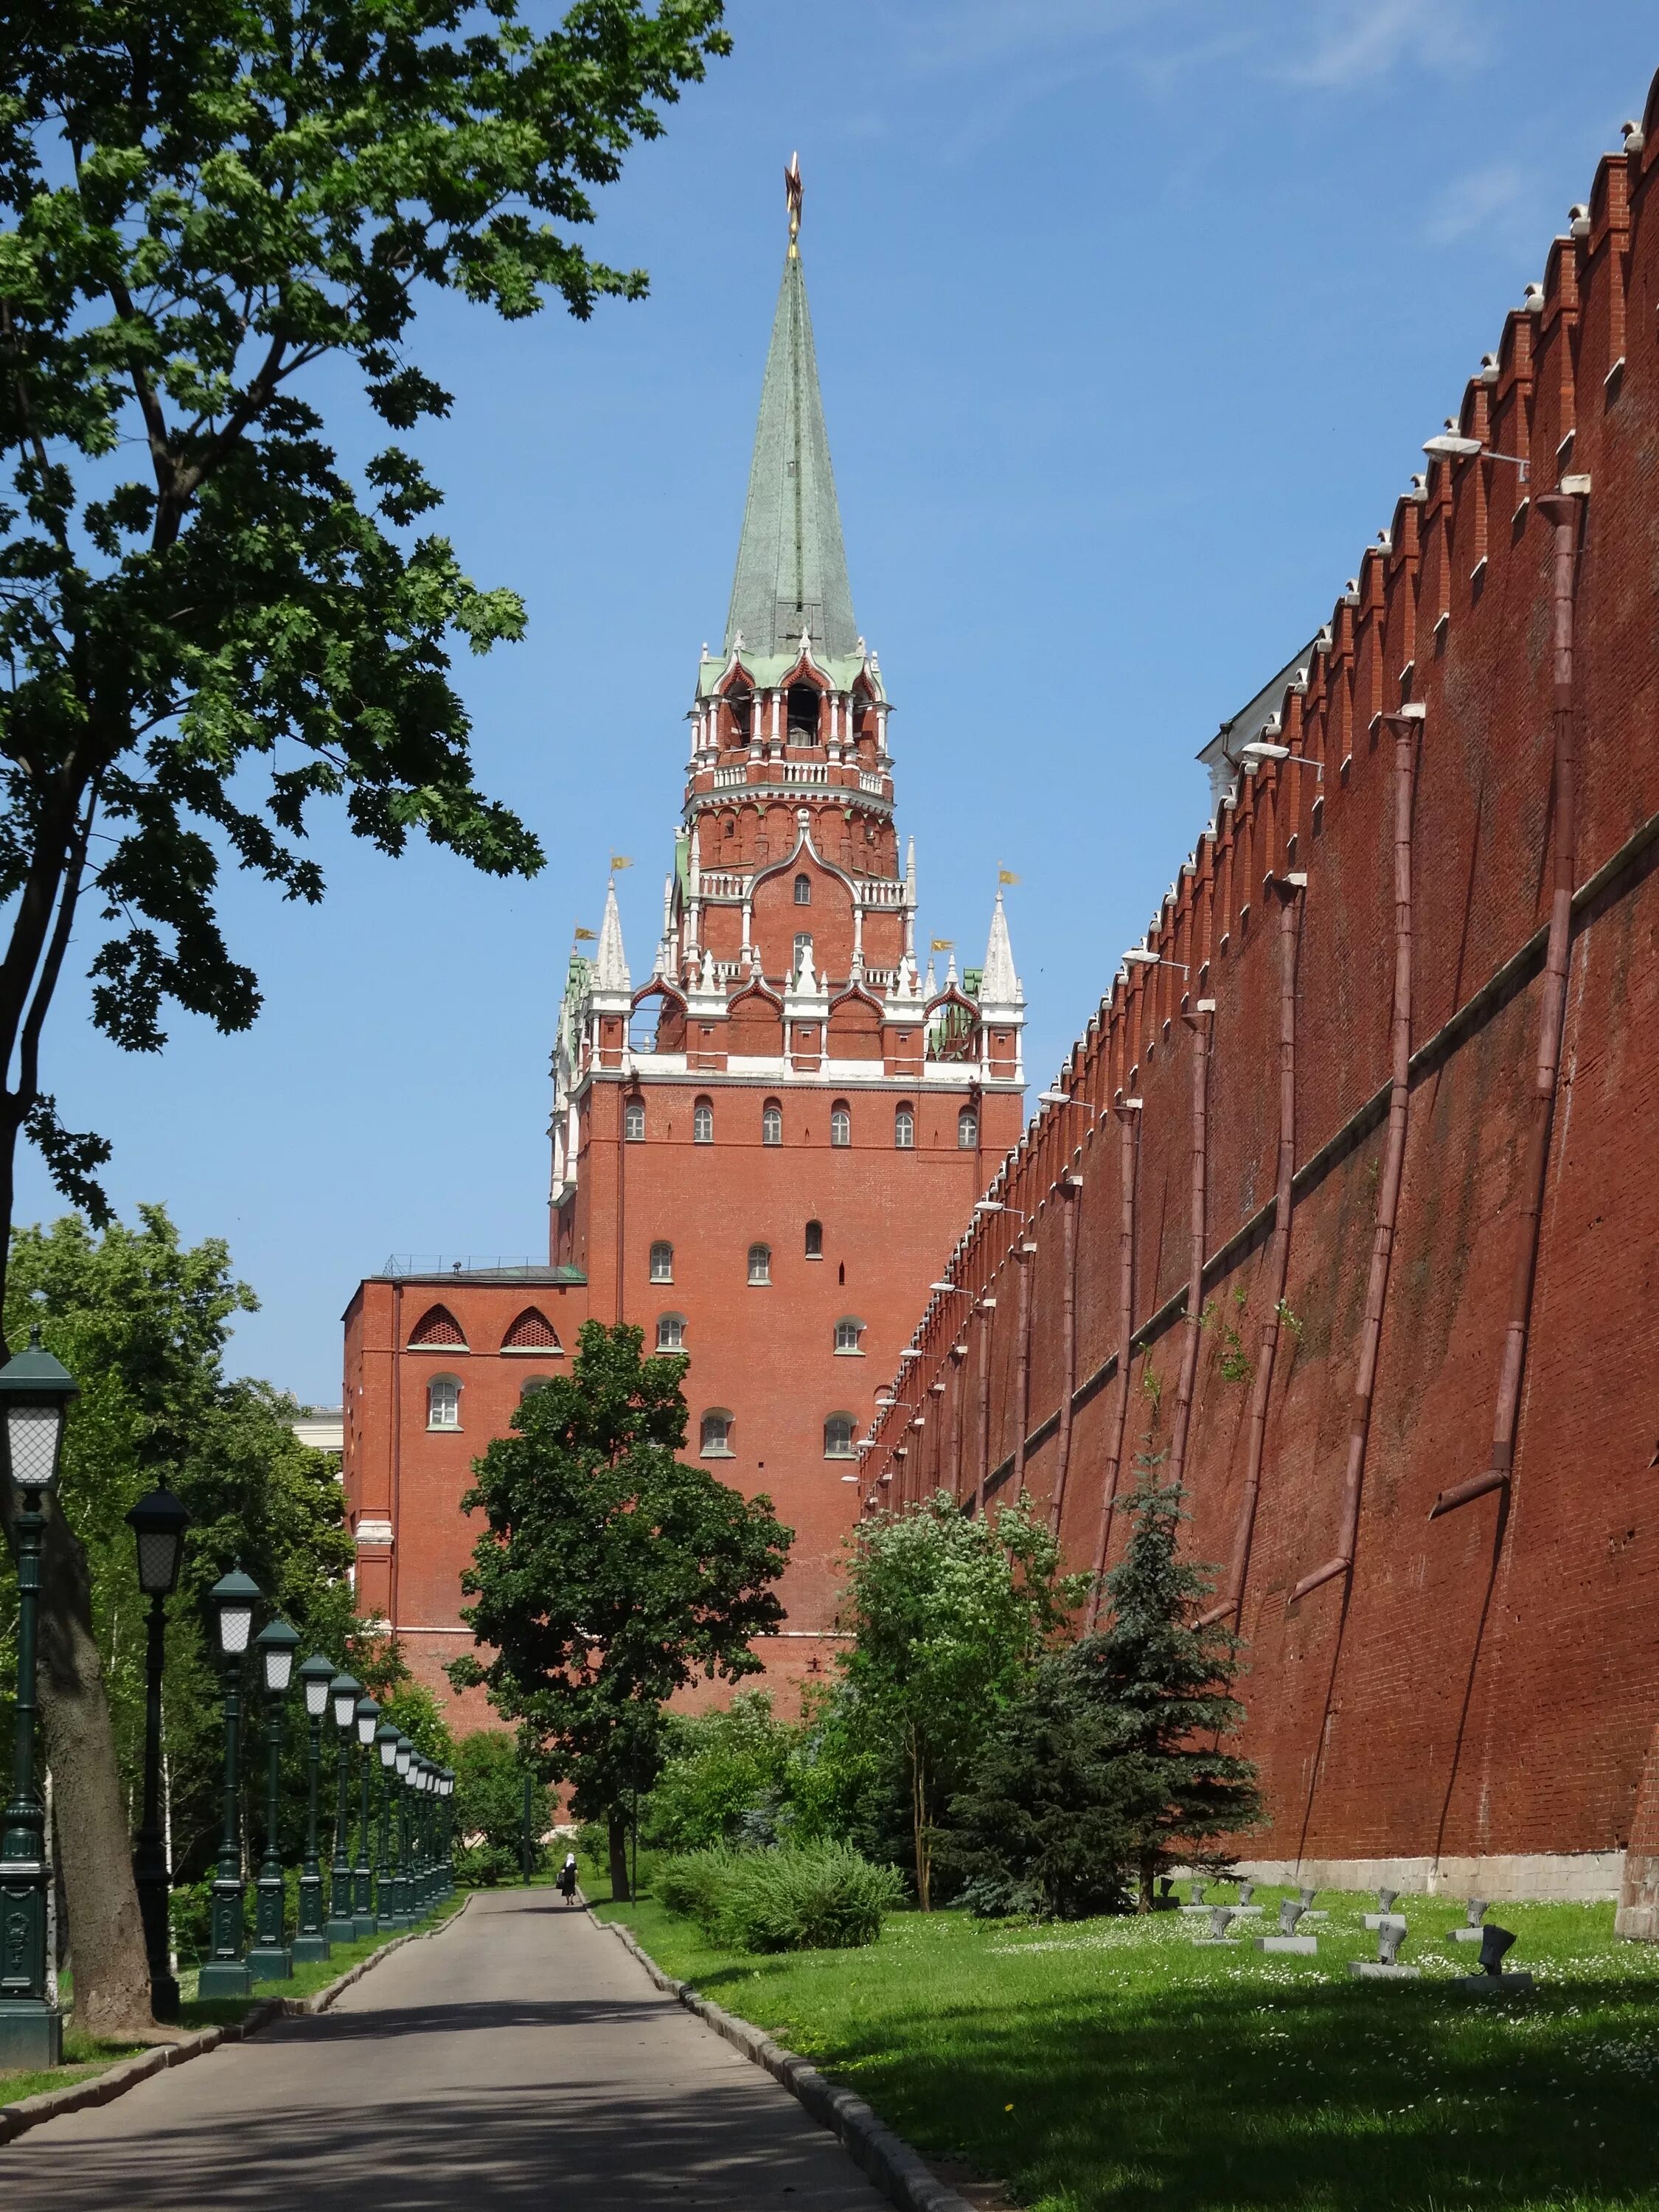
(792, 566)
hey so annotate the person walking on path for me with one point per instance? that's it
(568, 1878)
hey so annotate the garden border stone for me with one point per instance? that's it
(897, 2171)
(115, 2081)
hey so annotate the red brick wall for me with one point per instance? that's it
(1486, 1681)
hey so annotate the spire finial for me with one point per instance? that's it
(792, 199)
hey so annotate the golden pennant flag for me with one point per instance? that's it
(586, 936)
(619, 861)
(941, 945)
(1006, 876)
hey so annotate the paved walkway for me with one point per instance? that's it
(519, 2057)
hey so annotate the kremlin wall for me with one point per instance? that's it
(1345, 1205)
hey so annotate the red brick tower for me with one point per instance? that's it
(763, 1155)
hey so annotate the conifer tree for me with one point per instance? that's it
(1112, 1767)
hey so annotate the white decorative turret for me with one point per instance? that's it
(910, 902)
(706, 1000)
(1001, 1005)
(612, 992)
(999, 985)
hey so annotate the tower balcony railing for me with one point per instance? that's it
(729, 779)
(719, 884)
(880, 890)
(870, 781)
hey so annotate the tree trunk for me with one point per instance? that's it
(616, 1830)
(94, 1856)
(1148, 1870)
(94, 1848)
(924, 1855)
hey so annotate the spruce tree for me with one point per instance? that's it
(1111, 1767)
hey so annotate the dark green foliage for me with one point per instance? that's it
(489, 1783)
(198, 205)
(807, 1897)
(1111, 1770)
(609, 1574)
(726, 1778)
(949, 1615)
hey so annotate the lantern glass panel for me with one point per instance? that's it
(404, 1754)
(235, 1624)
(158, 1563)
(388, 1754)
(316, 1697)
(33, 1431)
(279, 1669)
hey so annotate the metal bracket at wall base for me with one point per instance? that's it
(1463, 1494)
(31, 2035)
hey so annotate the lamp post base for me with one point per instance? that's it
(31, 2035)
(269, 1963)
(308, 1950)
(225, 1977)
(364, 1926)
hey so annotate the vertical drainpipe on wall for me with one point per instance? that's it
(1199, 1023)
(1406, 726)
(1128, 1119)
(1069, 1184)
(1289, 889)
(397, 1449)
(1562, 509)
(1023, 1255)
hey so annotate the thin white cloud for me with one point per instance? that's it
(1357, 42)
(1474, 202)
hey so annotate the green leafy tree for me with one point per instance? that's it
(726, 1776)
(949, 1616)
(210, 215)
(610, 1574)
(142, 1320)
(490, 1777)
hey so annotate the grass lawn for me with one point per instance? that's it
(1111, 2063)
(84, 2054)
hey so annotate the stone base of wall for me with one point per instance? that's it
(1505, 1877)
(1638, 1916)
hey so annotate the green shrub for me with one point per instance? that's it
(693, 1883)
(481, 1866)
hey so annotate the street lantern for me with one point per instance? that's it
(158, 1523)
(367, 1719)
(35, 1393)
(310, 1942)
(225, 1972)
(405, 1752)
(387, 1740)
(343, 1695)
(269, 1960)
(233, 1598)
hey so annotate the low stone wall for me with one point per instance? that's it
(1505, 1878)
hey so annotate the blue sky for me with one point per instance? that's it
(1131, 317)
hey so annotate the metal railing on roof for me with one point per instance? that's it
(447, 1263)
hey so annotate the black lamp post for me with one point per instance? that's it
(36, 1391)
(158, 1523)
(417, 1886)
(362, 1902)
(268, 1960)
(386, 1744)
(402, 1895)
(226, 1973)
(445, 1792)
(311, 1943)
(343, 1695)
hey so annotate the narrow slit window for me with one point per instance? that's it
(771, 1122)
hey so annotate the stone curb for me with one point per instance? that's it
(896, 2170)
(103, 2088)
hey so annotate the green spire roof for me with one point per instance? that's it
(792, 566)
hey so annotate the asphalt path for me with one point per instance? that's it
(520, 2057)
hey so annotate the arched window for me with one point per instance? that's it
(715, 1434)
(760, 1263)
(967, 1129)
(848, 1329)
(802, 890)
(531, 1332)
(803, 713)
(815, 1240)
(437, 1325)
(633, 1121)
(671, 1332)
(771, 1122)
(702, 1124)
(838, 1437)
(803, 948)
(905, 1129)
(662, 1263)
(443, 1402)
(840, 1123)
(530, 1384)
